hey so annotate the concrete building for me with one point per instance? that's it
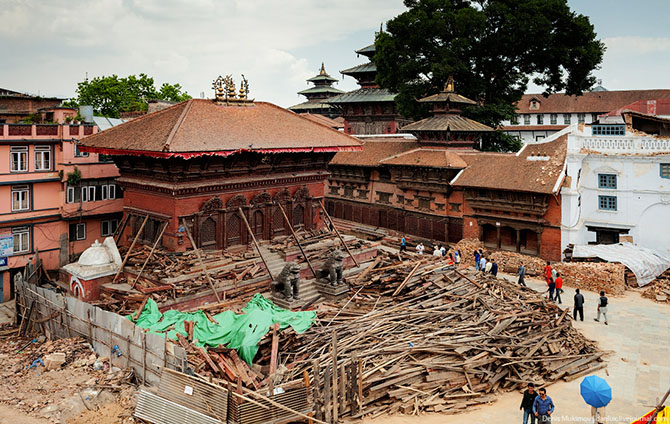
(539, 116)
(618, 182)
(56, 199)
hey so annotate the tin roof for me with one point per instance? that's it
(203, 127)
(363, 95)
(360, 69)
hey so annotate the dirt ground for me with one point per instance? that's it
(637, 337)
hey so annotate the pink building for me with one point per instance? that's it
(57, 200)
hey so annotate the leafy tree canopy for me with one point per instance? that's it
(111, 95)
(493, 48)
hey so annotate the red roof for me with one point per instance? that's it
(428, 157)
(202, 127)
(649, 107)
(536, 168)
(374, 150)
(323, 120)
(591, 102)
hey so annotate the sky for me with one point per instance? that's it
(49, 45)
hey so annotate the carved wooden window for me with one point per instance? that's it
(257, 224)
(208, 233)
(401, 200)
(424, 203)
(298, 216)
(384, 174)
(348, 191)
(384, 197)
(455, 207)
(234, 230)
(334, 190)
(278, 222)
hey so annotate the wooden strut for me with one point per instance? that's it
(659, 408)
(202, 263)
(338, 233)
(295, 237)
(253, 238)
(146, 261)
(119, 230)
(146, 218)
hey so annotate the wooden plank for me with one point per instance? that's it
(130, 249)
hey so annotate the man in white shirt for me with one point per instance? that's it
(482, 264)
(420, 248)
(437, 251)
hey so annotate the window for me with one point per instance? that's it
(21, 239)
(540, 119)
(553, 118)
(401, 199)
(384, 197)
(70, 195)
(665, 170)
(581, 117)
(384, 174)
(594, 117)
(109, 227)
(334, 189)
(514, 120)
(88, 194)
(348, 191)
(539, 137)
(526, 119)
(19, 155)
(42, 158)
(566, 118)
(606, 181)
(111, 191)
(78, 153)
(424, 203)
(608, 129)
(20, 196)
(78, 231)
(607, 203)
(104, 192)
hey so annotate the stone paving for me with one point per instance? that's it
(638, 339)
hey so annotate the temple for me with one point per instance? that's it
(318, 95)
(213, 164)
(370, 109)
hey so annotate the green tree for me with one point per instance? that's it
(493, 48)
(111, 95)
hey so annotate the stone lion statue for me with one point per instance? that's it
(331, 270)
(288, 281)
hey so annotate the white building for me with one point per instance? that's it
(539, 117)
(618, 183)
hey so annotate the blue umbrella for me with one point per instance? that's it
(595, 391)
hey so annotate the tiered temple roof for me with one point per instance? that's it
(317, 95)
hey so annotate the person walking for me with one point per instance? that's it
(543, 407)
(403, 244)
(529, 396)
(494, 267)
(578, 308)
(482, 264)
(558, 282)
(547, 273)
(552, 288)
(522, 275)
(602, 307)
(477, 259)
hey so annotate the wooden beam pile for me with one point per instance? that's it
(432, 339)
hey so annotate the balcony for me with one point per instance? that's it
(44, 131)
(624, 144)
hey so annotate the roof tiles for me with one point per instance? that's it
(591, 102)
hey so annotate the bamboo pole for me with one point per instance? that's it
(659, 407)
(253, 238)
(338, 233)
(121, 229)
(335, 385)
(290, 227)
(146, 261)
(202, 263)
(146, 218)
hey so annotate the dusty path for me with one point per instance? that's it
(638, 369)
(11, 415)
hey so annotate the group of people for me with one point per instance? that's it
(555, 283)
(482, 264)
(536, 405)
(453, 258)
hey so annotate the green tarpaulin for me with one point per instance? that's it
(240, 332)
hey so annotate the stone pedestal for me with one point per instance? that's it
(330, 292)
(281, 301)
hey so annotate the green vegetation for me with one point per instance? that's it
(493, 48)
(111, 95)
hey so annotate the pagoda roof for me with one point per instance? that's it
(360, 69)
(427, 157)
(364, 95)
(446, 96)
(367, 50)
(311, 105)
(321, 89)
(323, 75)
(200, 127)
(454, 123)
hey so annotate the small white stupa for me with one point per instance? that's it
(94, 265)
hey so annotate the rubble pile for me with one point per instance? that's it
(467, 247)
(509, 262)
(594, 276)
(60, 379)
(659, 289)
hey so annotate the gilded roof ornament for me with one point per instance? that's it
(226, 92)
(449, 86)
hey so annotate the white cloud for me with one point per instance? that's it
(635, 45)
(53, 44)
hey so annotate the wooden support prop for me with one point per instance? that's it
(253, 238)
(659, 408)
(305, 377)
(146, 261)
(202, 263)
(138, 312)
(275, 350)
(333, 351)
(146, 218)
(410, 275)
(295, 237)
(26, 318)
(325, 212)
(120, 229)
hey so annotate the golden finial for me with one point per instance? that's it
(230, 88)
(219, 92)
(449, 86)
(323, 70)
(244, 88)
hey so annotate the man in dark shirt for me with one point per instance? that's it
(602, 307)
(529, 396)
(494, 267)
(579, 306)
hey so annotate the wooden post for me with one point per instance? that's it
(275, 350)
(317, 394)
(144, 358)
(305, 376)
(338, 233)
(333, 351)
(146, 261)
(121, 229)
(146, 218)
(253, 238)
(327, 398)
(659, 407)
(290, 227)
(202, 263)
